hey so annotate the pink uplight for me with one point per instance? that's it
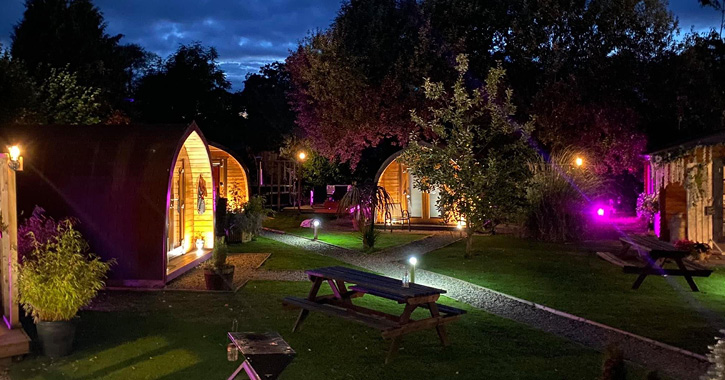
(600, 211)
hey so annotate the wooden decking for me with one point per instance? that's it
(13, 342)
(181, 264)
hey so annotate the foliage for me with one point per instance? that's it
(219, 254)
(558, 197)
(477, 157)
(317, 170)
(694, 248)
(189, 85)
(72, 34)
(59, 277)
(686, 91)
(363, 202)
(648, 205)
(61, 100)
(353, 84)
(17, 89)
(269, 117)
(606, 135)
(249, 218)
(38, 229)
(717, 360)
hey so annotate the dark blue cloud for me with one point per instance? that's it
(247, 33)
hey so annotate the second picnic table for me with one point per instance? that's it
(656, 253)
(348, 284)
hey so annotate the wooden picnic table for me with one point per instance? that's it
(656, 253)
(348, 284)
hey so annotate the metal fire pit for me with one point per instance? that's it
(266, 355)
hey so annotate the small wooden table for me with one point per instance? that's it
(656, 253)
(340, 304)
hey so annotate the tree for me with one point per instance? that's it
(269, 118)
(477, 157)
(718, 5)
(354, 84)
(17, 89)
(189, 85)
(72, 34)
(61, 100)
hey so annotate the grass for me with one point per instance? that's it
(158, 335)
(571, 279)
(290, 222)
(284, 257)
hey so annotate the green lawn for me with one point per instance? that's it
(284, 257)
(574, 280)
(290, 222)
(174, 335)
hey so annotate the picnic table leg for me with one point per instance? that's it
(640, 279)
(657, 264)
(687, 276)
(441, 329)
(395, 345)
(317, 282)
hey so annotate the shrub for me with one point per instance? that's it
(219, 255)
(363, 202)
(249, 218)
(557, 198)
(59, 277)
(38, 228)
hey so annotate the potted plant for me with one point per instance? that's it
(697, 251)
(199, 241)
(55, 280)
(246, 223)
(218, 275)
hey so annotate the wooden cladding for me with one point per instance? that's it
(233, 177)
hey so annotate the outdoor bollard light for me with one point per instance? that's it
(315, 225)
(412, 260)
(16, 160)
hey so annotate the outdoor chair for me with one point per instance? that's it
(396, 214)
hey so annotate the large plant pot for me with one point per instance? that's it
(57, 337)
(219, 280)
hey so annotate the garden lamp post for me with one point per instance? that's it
(579, 162)
(301, 157)
(315, 225)
(412, 261)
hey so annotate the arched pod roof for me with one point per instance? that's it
(114, 178)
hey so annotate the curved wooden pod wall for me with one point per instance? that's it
(235, 173)
(116, 181)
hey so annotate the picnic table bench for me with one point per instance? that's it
(656, 253)
(340, 304)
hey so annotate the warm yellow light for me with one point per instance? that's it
(302, 155)
(14, 152)
(579, 161)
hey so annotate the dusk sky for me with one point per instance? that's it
(247, 33)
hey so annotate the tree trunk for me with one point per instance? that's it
(469, 244)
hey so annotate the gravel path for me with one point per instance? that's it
(647, 353)
(244, 266)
